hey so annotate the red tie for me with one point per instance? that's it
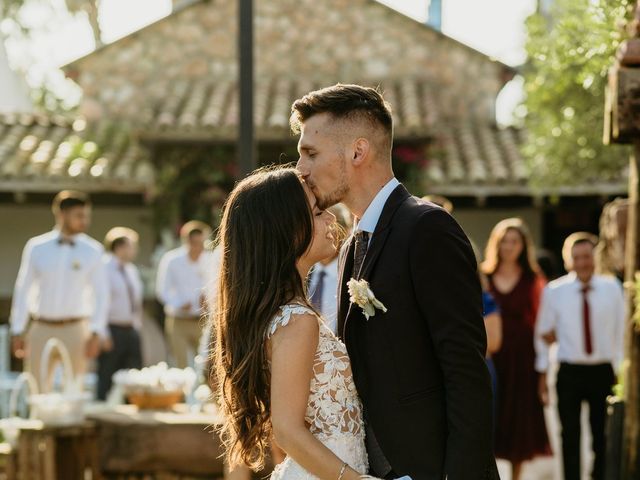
(586, 320)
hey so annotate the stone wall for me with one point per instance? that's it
(316, 42)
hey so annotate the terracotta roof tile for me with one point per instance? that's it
(57, 153)
(208, 107)
(476, 154)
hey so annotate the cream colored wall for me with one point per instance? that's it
(477, 223)
(18, 223)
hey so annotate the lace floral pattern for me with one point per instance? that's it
(334, 413)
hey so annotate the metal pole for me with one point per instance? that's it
(246, 142)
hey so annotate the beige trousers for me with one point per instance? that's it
(183, 334)
(73, 336)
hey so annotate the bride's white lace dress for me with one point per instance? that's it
(334, 414)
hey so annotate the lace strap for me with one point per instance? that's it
(283, 317)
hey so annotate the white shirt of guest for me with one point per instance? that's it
(182, 281)
(329, 291)
(122, 311)
(58, 281)
(561, 311)
(371, 216)
(211, 295)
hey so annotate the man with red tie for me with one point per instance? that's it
(584, 314)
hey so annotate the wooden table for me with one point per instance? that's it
(47, 452)
(158, 445)
(8, 460)
(122, 443)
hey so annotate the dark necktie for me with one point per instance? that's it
(316, 298)
(586, 320)
(362, 244)
(127, 282)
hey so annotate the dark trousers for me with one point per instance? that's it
(126, 353)
(575, 384)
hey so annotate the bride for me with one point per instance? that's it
(280, 371)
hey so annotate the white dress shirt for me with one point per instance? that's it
(181, 280)
(58, 281)
(122, 311)
(561, 311)
(371, 216)
(329, 291)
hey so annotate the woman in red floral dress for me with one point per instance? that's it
(516, 285)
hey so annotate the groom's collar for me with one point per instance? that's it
(372, 214)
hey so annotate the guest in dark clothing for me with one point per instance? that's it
(493, 326)
(122, 349)
(516, 285)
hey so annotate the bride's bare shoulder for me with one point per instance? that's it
(293, 320)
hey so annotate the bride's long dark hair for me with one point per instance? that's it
(266, 227)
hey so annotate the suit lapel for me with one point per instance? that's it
(397, 197)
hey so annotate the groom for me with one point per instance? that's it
(419, 367)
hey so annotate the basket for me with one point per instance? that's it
(154, 400)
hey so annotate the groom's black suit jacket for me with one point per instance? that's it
(419, 368)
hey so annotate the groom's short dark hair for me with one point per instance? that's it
(350, 102)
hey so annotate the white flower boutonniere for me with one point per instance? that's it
(361, 295)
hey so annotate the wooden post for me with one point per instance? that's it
(622, 125)
(631, 440)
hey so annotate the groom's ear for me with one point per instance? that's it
(361, 149)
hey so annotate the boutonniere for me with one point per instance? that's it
(360, 293)
(75, 265)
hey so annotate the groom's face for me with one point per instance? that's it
(323, 162)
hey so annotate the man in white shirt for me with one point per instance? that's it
(183, 274)
(584, 314)
(122, 349)
(323, 281)
(61, 287)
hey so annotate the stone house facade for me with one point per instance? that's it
(155, 136)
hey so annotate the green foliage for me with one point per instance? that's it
(569, 54)
(22, 21)
(191, 184)
(11, 10)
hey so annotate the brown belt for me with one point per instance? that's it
(58, 322)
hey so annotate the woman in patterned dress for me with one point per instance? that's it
(279, 369)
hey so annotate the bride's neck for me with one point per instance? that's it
(304, 267)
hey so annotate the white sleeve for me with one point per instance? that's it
(161, 280)
(213, 278)
(25, 281)
(165, 282)
(101, 298)
(545, 324)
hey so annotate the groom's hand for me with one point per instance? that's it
(543, 389)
